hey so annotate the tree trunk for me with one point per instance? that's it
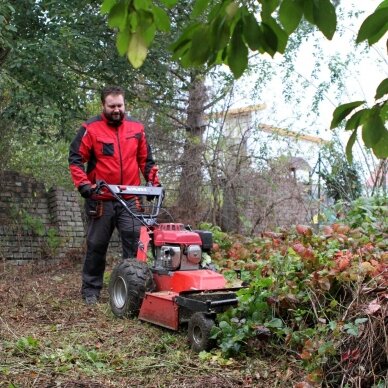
(189, 195)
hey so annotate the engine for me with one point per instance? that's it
(179, 249)
(172, 258)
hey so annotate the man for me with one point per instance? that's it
(116, 151)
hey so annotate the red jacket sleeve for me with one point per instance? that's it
(144, 157)
(78, 155)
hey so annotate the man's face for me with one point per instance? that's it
(114, 108)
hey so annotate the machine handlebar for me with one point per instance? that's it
(118, 191)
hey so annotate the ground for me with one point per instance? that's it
(50, 338)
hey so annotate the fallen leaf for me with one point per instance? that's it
(350, 355)
(372, 307)
(343, 263)
(303, 384)
(120, 329)
(304, 230)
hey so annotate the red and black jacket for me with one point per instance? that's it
(113, 154)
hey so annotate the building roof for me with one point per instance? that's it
(288, 133)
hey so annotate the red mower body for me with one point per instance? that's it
(159, 306)
(177, 288)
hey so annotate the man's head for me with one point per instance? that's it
(113, 104)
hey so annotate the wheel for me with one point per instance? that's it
(199, 330)
(129, 282)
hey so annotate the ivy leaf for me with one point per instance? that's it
(351, 329)
(275, 323)
(349, 146)
(374, 26)
(290, 14)
(137, 49)
(342, 111)
(382, 89)
(238, 52)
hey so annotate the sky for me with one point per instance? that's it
(361, 78)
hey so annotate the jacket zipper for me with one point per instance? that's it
(121, 160)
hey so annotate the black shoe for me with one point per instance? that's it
(91, 299)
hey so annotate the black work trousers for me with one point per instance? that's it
(99, 233)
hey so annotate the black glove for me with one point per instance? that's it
(152, 197)
(85, 190)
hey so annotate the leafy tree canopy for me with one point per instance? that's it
(225, 31)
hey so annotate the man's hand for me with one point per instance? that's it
(153, 177)
(85, 190)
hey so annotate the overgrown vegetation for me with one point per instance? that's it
(313, 313)
(321, 299)
(48, 337)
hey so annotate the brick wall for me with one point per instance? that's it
(40, 224)
(35, 223)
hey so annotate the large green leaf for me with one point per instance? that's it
(269, 39)
(122, 41)
(321, 13)
(118, 15)
(107, 5)
(308, 10)
(380, 149)
(373, 129)
(281, 35)
(356, 119)
(162, 20)
(199, 7)
(142, 4)
(374, 26)
(169, 3)
(182, 44)
(325, 17)
(238, 51)
(149, 34)
(219, 33)
(342, 111)
(251, 31)
(382, 89)
(269, 6)
(290, 14)
(349, 146)
(200, 48)
(137, 49)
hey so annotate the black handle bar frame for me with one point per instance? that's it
(117, 191)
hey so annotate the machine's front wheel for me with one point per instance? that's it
(199, 330)
(129, 282)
